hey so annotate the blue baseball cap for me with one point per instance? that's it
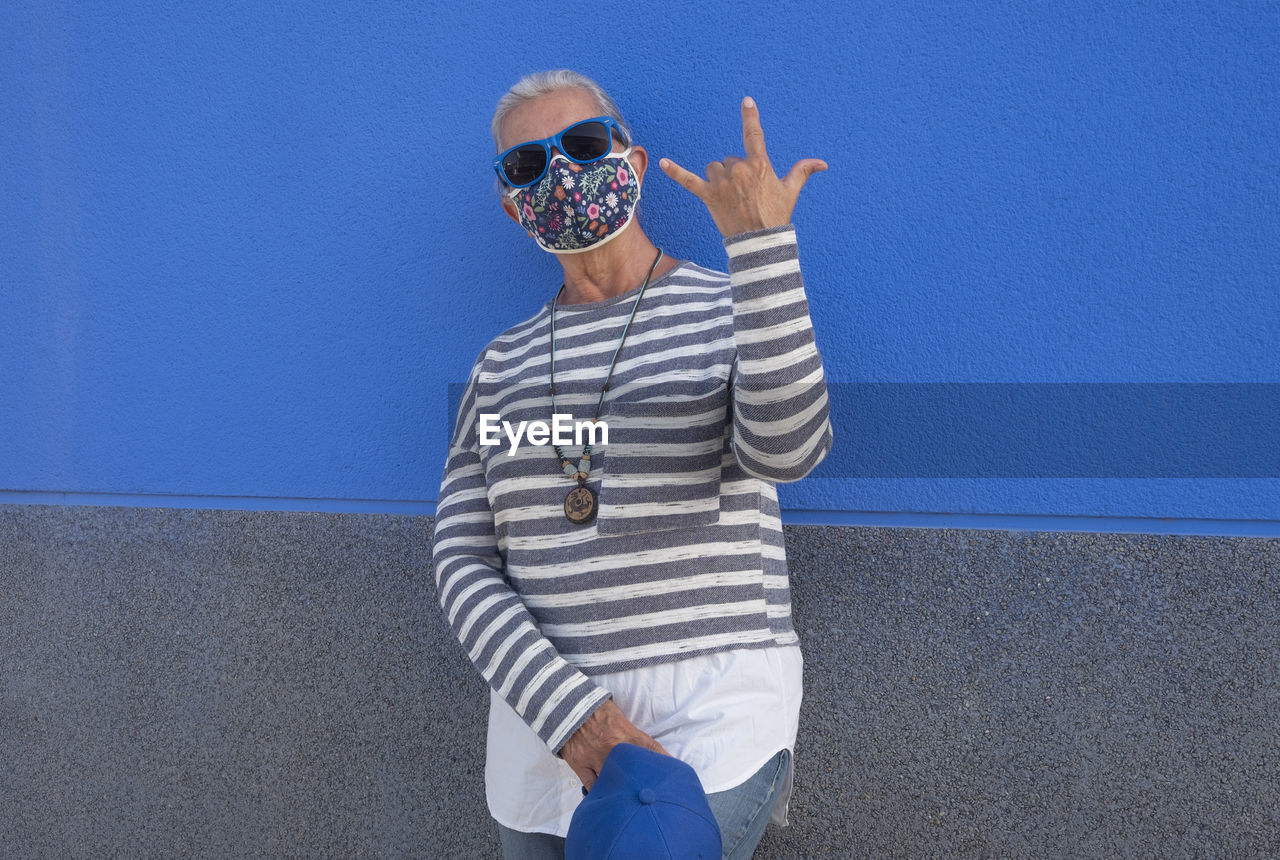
(643, 806)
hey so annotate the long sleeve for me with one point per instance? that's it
(486, 615)
(781, 420)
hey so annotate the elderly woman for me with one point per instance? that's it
(633, 588)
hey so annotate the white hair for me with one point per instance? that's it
(541, 83)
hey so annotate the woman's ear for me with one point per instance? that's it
(509, 207)
(639, 159)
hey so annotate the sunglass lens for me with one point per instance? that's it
(523, 165)
(586, 141)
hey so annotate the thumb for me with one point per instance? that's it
(585, 775)
(801, 171)
(696, 184)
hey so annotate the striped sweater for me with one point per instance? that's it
(718, 393)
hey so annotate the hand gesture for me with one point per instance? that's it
(745, 194)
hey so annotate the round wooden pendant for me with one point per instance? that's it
(580, 505)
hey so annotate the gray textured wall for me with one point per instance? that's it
(229, 684)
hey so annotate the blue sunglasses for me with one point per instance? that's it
(583, 142)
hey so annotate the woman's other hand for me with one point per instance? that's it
(607, 727)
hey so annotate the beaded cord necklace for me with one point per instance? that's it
(581, 503)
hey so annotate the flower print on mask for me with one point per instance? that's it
(576, 207)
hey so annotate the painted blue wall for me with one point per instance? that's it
(245, 249)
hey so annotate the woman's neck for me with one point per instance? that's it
(612, 269)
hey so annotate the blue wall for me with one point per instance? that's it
(244, 250)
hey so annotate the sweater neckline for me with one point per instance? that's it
(613, 300)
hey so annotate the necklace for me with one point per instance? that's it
(581, 503)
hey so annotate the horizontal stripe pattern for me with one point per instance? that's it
(717, 394)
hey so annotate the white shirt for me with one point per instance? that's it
(725, 714)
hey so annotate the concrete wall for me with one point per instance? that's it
(229, 683)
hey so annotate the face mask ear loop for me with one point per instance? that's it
(631, 168)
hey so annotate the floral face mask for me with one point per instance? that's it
(576, 207)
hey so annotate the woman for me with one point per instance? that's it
(634, 589)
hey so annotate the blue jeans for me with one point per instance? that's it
(742, 812)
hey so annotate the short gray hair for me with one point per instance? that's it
(540, 83)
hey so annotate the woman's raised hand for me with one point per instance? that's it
(744, 194)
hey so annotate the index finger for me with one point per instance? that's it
(752, 133)
(691, 181)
